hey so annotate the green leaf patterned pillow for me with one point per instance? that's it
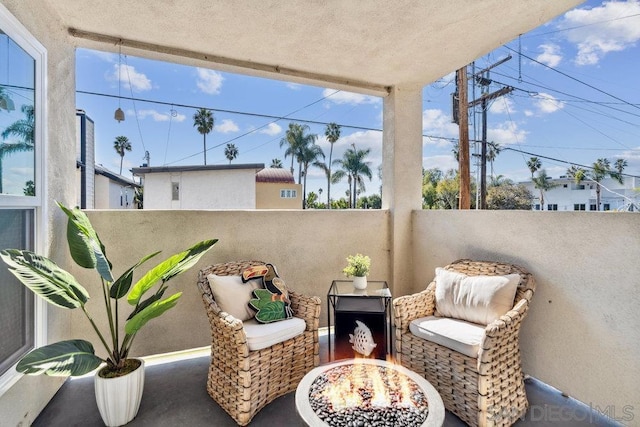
(271, 302)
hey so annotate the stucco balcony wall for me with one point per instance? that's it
(308, 248)
(581, 333)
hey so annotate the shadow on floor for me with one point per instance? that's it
(175, 394)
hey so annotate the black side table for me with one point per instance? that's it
(371, 306)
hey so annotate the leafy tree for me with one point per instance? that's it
(534, 164)
(373, 201)
(332, 132)
(341, 203)
(29, 188)
(276, 163)
(448, 189)
(543, 183)
(430, 179)
(24, 131)
(506, 195)
(354, 167)
(121, 144)
(312, 201)
(230, 152)
(203, 121)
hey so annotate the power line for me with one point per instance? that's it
(241, 113)
(575, 79)
(581, 26)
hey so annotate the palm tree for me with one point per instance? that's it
(534, 164)
(296, 138)
(492, 153)
(276, 163)
(599, 171)
(231, 152)
(203, 119)
(354, 168)
(543, 183)
(24, 130)
(332, 132)
(121, 144)
(308, 154)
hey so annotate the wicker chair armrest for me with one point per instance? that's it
(307, 308)
(501, 333)
(410, 307)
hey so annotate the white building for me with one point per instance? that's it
(569, 196)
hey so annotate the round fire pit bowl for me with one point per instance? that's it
(313, 407)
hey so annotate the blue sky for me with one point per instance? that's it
(576, 99)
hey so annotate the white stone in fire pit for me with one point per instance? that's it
(435, 417)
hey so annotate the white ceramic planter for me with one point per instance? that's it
(360, 282)
(119, 398)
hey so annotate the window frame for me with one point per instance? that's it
(22, 37)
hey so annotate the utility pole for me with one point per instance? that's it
(464, 200)
(482, 78)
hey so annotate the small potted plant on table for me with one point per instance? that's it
(358, 267)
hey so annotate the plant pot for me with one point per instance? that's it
(119, 398)
(360, 282)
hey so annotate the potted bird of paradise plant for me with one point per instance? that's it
(145, 297)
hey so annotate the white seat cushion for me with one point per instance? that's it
(459, 335)
(263, 335)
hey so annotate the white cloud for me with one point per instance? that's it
(442, 162)
(157, 116)
(128, 74)
(342, 97)
(502, 105)
(506, 133)
(436, 122)
(272, 129)
(294, 86)
(226, 126)
(550, 55)
(547, 104)
(602, 29)
(209, 81)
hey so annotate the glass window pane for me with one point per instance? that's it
(16, 301)
(17, 119)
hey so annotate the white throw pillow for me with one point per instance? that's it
(477, 299)
(232, 295)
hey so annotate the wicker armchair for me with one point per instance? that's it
(242, 381)
(483, 391)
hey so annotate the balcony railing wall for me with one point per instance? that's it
(581, 334)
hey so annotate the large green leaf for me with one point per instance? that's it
(169, 268)
(84, 244)
(153, 310)
(64, 358)
(45, 278)
(122, 284)
(146, 303)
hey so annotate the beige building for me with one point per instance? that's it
(276, 189)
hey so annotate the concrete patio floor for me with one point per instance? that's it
(175, 395)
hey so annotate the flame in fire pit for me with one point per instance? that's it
(370, 383)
